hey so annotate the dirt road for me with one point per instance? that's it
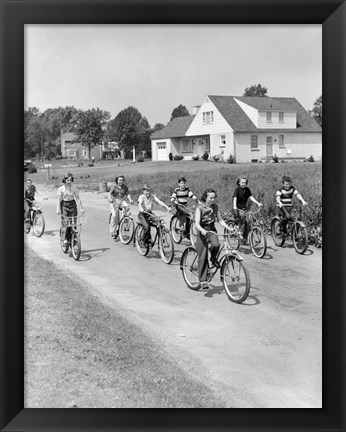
(266, 352)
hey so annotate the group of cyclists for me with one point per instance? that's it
(206, 214)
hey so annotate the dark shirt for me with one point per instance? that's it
(242, 195)
(30, 192)
(208, 215)
(119, 192)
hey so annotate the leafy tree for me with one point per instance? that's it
(316, 111)
(89, 127)
(179, 111)
(130, 130)
(158, 127)
(256, 90)
(37, 138)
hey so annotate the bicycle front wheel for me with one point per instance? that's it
(177, 229)
(126, 229)
(258, 242)
(300, 237)
(141, 247)
(276, 231)
(64, 246)
(189, 268)
(166, 246)
(75, 246)
(232, 238)
(193, 233)
(235, 278)
(38, 224)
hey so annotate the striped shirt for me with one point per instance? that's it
(286, 196)
(182, 195)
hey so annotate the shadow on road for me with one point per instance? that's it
(52, 233)
(87, 255)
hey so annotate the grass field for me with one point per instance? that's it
(264, 179)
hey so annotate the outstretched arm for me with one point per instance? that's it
(255, 201)
(161, 203)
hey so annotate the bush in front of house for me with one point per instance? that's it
(231, 159)
(205, 156)
(311, 159)
(178, 157)
(275, 159)
(140, 158)
(195, 157)
(170, 157)
(216, 158)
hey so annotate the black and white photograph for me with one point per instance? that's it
(173, 216)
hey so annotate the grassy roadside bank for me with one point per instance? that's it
(80, 353)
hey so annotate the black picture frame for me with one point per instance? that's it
(14, 15)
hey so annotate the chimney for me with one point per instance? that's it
(195, 109)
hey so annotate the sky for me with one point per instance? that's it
(155, 68)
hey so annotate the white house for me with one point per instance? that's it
(251, 129)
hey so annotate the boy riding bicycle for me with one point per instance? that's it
(179, 198)
(146, 216)
(29, 198)
(241, 196)
(284, 198)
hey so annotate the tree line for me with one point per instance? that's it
(129, 128)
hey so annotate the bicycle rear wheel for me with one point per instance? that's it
(258, 242)
(276, 231)
(232, 238)
(300, 237)
(142, 248)
(38, 224)
(75, 245)
(235, 278)
(166, 246)
(177, 229)
(126, 229)
(189, 268)
(193, 233)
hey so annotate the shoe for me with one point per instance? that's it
(113, 235)
(215, 263)
(204, 285)
(65, 243)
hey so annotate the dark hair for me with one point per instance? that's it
(206, 192)
(118, 177)
(67, 176)
(241, 178)
(28, 179)
(286, 179)
(182, 179)
(146, 187)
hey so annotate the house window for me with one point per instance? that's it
(71, 153)
(269, 116)
(187, 146)
(84, 153)
(254, 142)
(222, 140)
(281, 117)
(208, 117)
(281, 141)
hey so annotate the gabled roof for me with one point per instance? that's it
(240, 122)
(68, 136)
(175, 128)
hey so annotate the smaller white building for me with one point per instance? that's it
(251, 129)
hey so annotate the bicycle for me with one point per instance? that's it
(233, 273)
(73, 240)
(164, 240)
(35, 220)
(126, 226)
(256, 236)
(178, 226)
(296, 230)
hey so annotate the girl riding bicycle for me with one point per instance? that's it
(146, 216)
(117, 193)
(68, 197)
(241, 195)
(206, 215)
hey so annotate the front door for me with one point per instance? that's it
(161, 151)
(269, 147)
